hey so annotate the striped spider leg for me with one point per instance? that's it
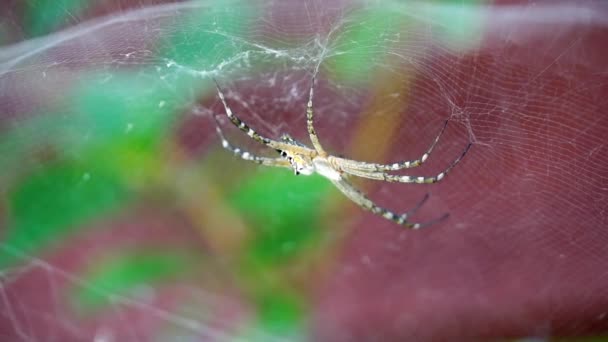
(292, 153)
(304, 160)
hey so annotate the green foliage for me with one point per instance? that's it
(282, 314)
(362, 44)
(107, 141)
(284, 209)
(390, 34)
(208, 34)
(122, 275)
(45, 16)
(120, 108)
(52, 202)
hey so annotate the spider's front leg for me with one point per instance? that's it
(312, 133)
(280, 162)
(238, 122)
(360, 199)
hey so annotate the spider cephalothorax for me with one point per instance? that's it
(301, 163)
(305, 160)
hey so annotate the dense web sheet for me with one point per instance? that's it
(107, 149)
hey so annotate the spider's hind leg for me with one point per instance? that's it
(402, 219)
(406, 164)
(418, 205)
(360, 166)
(381, 175)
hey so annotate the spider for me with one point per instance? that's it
(306, 161)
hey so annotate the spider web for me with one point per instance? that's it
(122, 217)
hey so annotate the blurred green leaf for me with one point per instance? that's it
(108, 139)
(282, 314)
(284, 210)
(54, 201)
(95, 117)
(123, 274)
(368, 41)
(457, 24)
(44, 16)
(210, 34)
(124, 106)
(395, 27)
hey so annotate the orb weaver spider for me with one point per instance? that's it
(306, 161)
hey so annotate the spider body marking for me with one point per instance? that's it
(301, 162)
(306, 161)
